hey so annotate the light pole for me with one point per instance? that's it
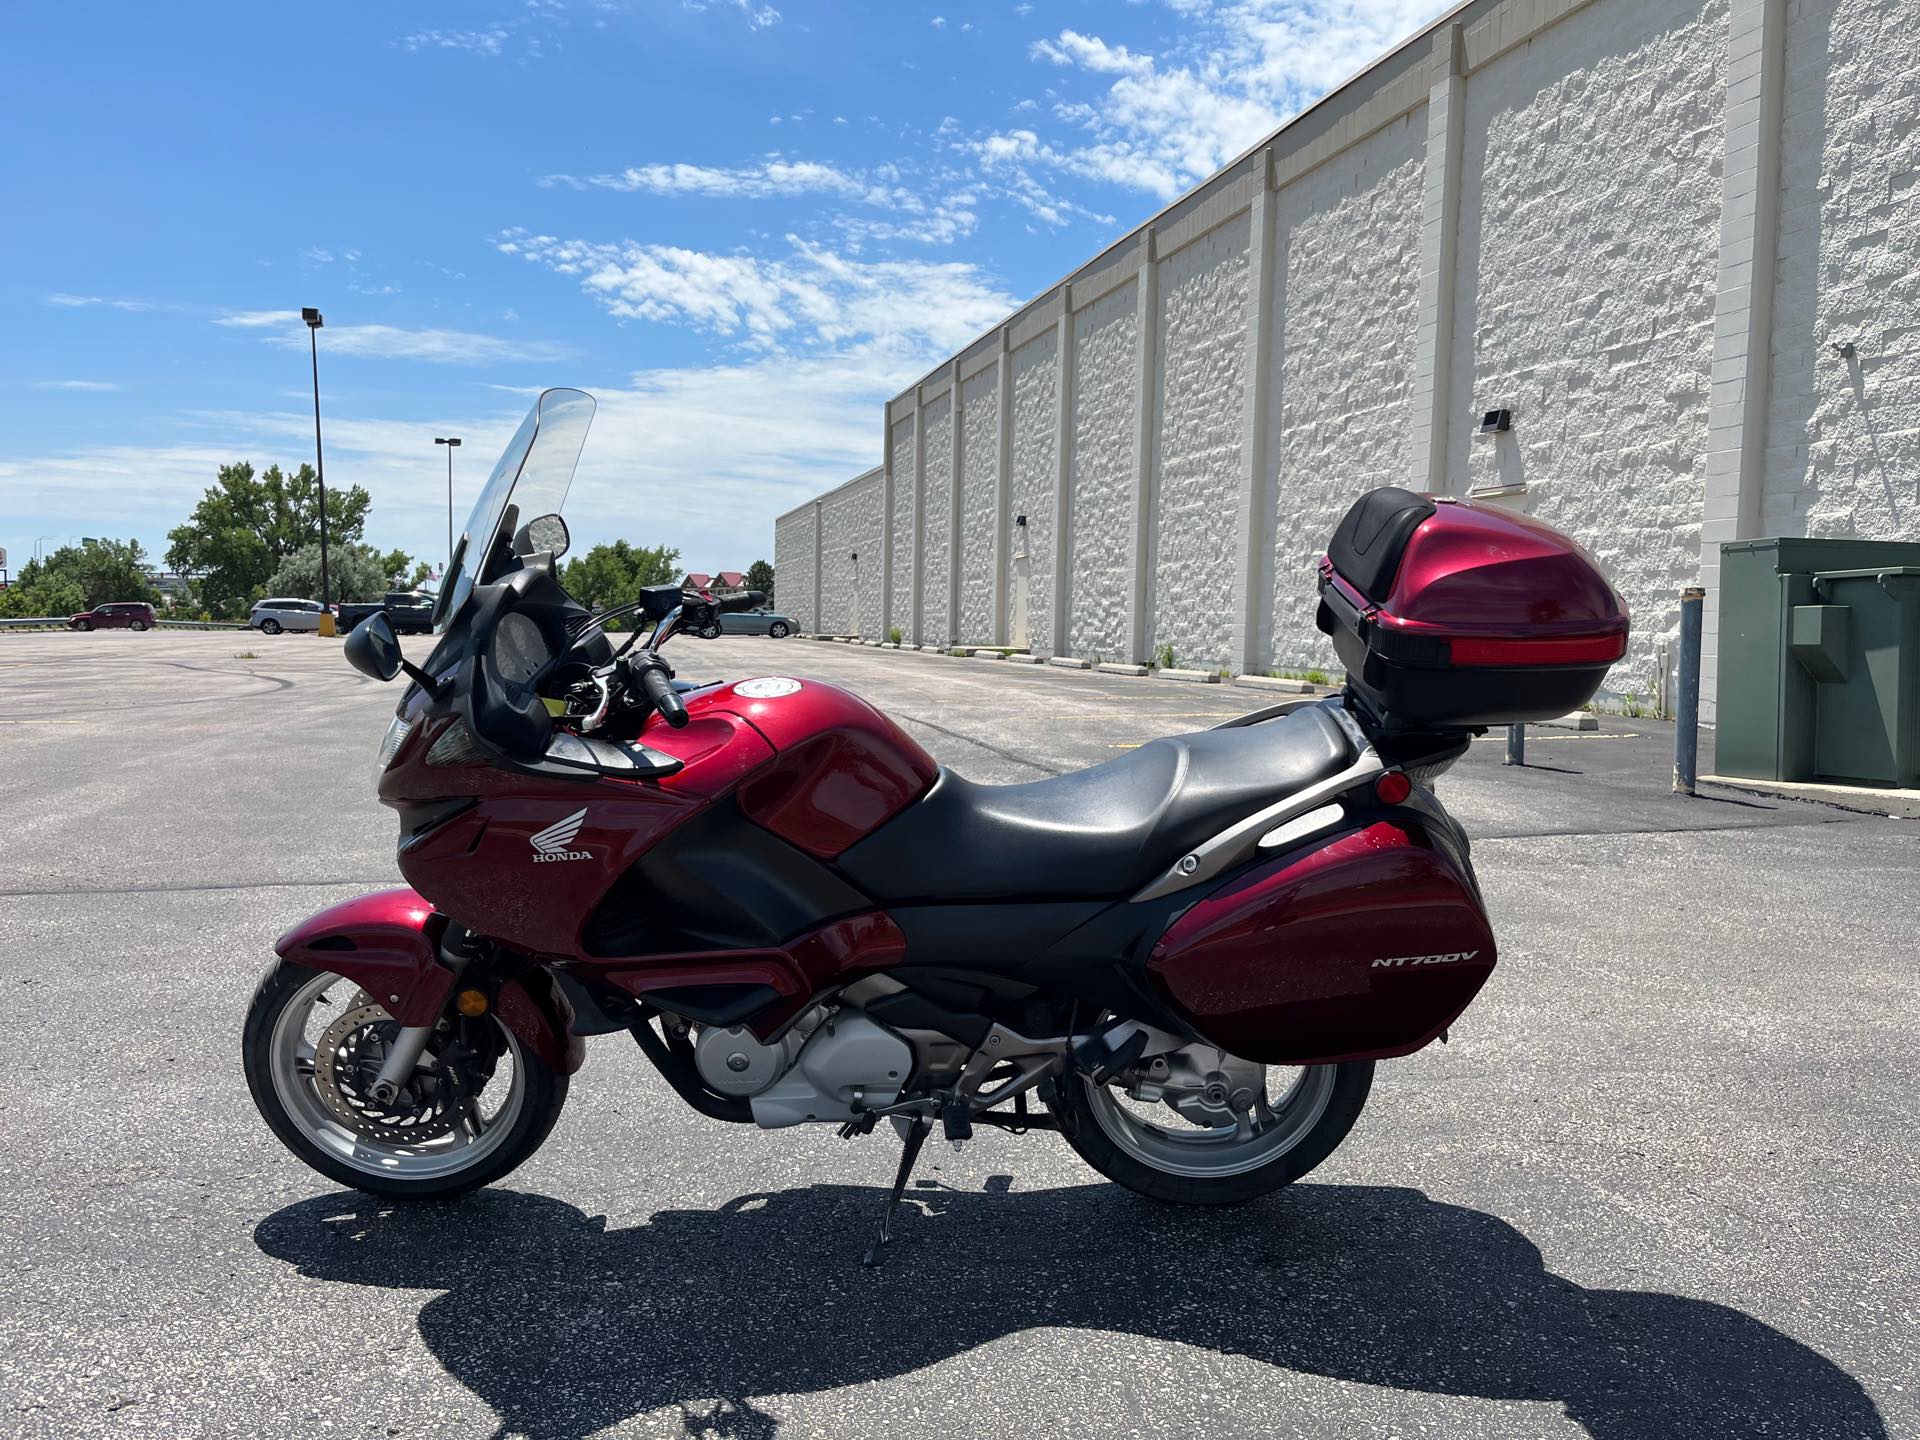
(452, 442)
(314, 322)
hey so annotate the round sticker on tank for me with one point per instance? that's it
(771, 687)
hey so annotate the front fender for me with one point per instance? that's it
(388, 944)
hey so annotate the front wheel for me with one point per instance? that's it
(83, 625)
(1200, 1127)
(778, 631)
(313, 1045)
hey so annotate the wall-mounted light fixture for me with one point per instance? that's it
(1021, 521)
(1496, 422)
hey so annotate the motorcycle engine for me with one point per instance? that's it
(732, 1062)
(848, 1064)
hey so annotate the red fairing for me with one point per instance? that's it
(386, 943)
(1365, 948)
(796, 971)
(843, 770)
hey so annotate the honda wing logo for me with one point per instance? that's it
(551, 843)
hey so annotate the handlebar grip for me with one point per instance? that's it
(752, 600)
(659, 689)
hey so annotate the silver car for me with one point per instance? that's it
(762, 621)
(270, 617)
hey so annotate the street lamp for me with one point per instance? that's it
(314, 322)
(451, 442)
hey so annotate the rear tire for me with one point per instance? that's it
(269, 627)
(138, 625)
(1318, 1138)
(778, 631)
(301, 1122)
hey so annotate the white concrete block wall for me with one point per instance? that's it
(850, 525)
(1036, 382)
(1346, 248)
(1105, 339)
(1675, 238)
(1201, 392)
(1585, 295)
(980, 467)
(794, 539)
(901, 529)
(937, 436)
(1843, 442)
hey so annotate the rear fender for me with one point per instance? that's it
(388, 944)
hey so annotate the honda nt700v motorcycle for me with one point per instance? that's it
(1186, 960)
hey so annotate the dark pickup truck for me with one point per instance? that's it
(409, 613)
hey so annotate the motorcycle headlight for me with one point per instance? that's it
(396, 737)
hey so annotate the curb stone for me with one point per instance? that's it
(1191, 677)
(1069, 662)
(1118, 667)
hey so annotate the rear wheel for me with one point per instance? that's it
(778, 631)
(137, 625)
(313, 1045)
(269, 627)
(1201, 1127)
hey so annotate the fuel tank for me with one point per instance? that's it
(1364, 947)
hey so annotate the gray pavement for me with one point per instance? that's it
(1662, 1181)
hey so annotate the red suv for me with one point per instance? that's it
(135, 616)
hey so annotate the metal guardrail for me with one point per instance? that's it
(44, 622)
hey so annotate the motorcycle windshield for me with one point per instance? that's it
(531, 480)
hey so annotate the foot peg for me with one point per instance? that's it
(1103, 1060)
(909, 1152)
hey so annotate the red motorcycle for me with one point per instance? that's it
(1186, 960)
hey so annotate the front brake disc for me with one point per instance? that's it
(346, 1061)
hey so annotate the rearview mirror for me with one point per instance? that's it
(373, 649)
(542, 533)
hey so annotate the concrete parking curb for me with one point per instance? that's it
(1190, 677)
(1119, 667)
(1274, 682)
(1019, 658)
(1579, 720)
(1069, 662)
(988, 655)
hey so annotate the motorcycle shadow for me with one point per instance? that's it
(566, 1327)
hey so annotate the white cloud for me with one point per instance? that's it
(939, 22)
(1164, 122)
(74, 385)
(812, 297)
(774, 176)
(473, 42)
(76, 302)
(390, 342)
(758, 17)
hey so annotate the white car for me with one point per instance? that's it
(270, 617)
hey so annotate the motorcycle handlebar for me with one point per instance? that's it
(655, 685)
(752, 600)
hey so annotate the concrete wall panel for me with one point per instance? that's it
(980, 466)
(1346, 256)
(1843, 443)
(937, 436)
(1105, 341)
(1036, 390)
(1202, 391)
(1589, 235)
(793, 544)
(850, 523)
(901, 526)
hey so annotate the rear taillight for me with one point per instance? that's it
(1577, 650)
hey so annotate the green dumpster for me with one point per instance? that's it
(1820, 661)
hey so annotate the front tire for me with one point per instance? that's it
(1183, 1164)
(778, 631)
(83, 625)
(369, 1150)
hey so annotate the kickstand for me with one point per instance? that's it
(909, 1152)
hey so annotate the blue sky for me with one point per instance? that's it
(742, 225)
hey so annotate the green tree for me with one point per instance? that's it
(355, 572)
(610, 575)
(760, 577)
(246, 524)
(78, 577)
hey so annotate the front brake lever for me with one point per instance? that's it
(598, 716)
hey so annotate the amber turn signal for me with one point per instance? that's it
(471, 1003)
(1392, 788)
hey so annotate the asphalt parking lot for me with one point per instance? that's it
(1663, 1181)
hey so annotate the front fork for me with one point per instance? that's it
(402, 1057)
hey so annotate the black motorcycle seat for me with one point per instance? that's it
(1100, 832)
